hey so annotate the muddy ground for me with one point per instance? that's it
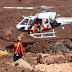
(9, 18)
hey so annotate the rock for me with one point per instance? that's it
(22, 63)
(65, 67)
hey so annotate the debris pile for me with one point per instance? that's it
(58, 62)
(48, 59)
(59, 47)
(65, 67)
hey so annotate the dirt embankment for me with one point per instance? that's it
(38, 63)
(9, 18)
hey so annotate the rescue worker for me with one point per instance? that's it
(18, 51)
(39, 29)
(35, 28)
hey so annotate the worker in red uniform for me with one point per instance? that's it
(18, 51)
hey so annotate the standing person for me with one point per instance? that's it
(39, 29)
(35, 28)
(18, 51)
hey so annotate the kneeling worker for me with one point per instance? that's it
(18, 51)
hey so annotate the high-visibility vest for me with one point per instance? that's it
(35, 29)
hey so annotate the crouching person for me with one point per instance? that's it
(18, 50)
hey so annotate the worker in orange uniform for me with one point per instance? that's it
(35, 28)
(18, 51)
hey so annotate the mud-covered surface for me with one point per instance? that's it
(37, 63)
(9, 18)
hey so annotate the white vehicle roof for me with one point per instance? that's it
(29, 17)
(45, 15)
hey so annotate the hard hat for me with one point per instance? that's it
(19, 38)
